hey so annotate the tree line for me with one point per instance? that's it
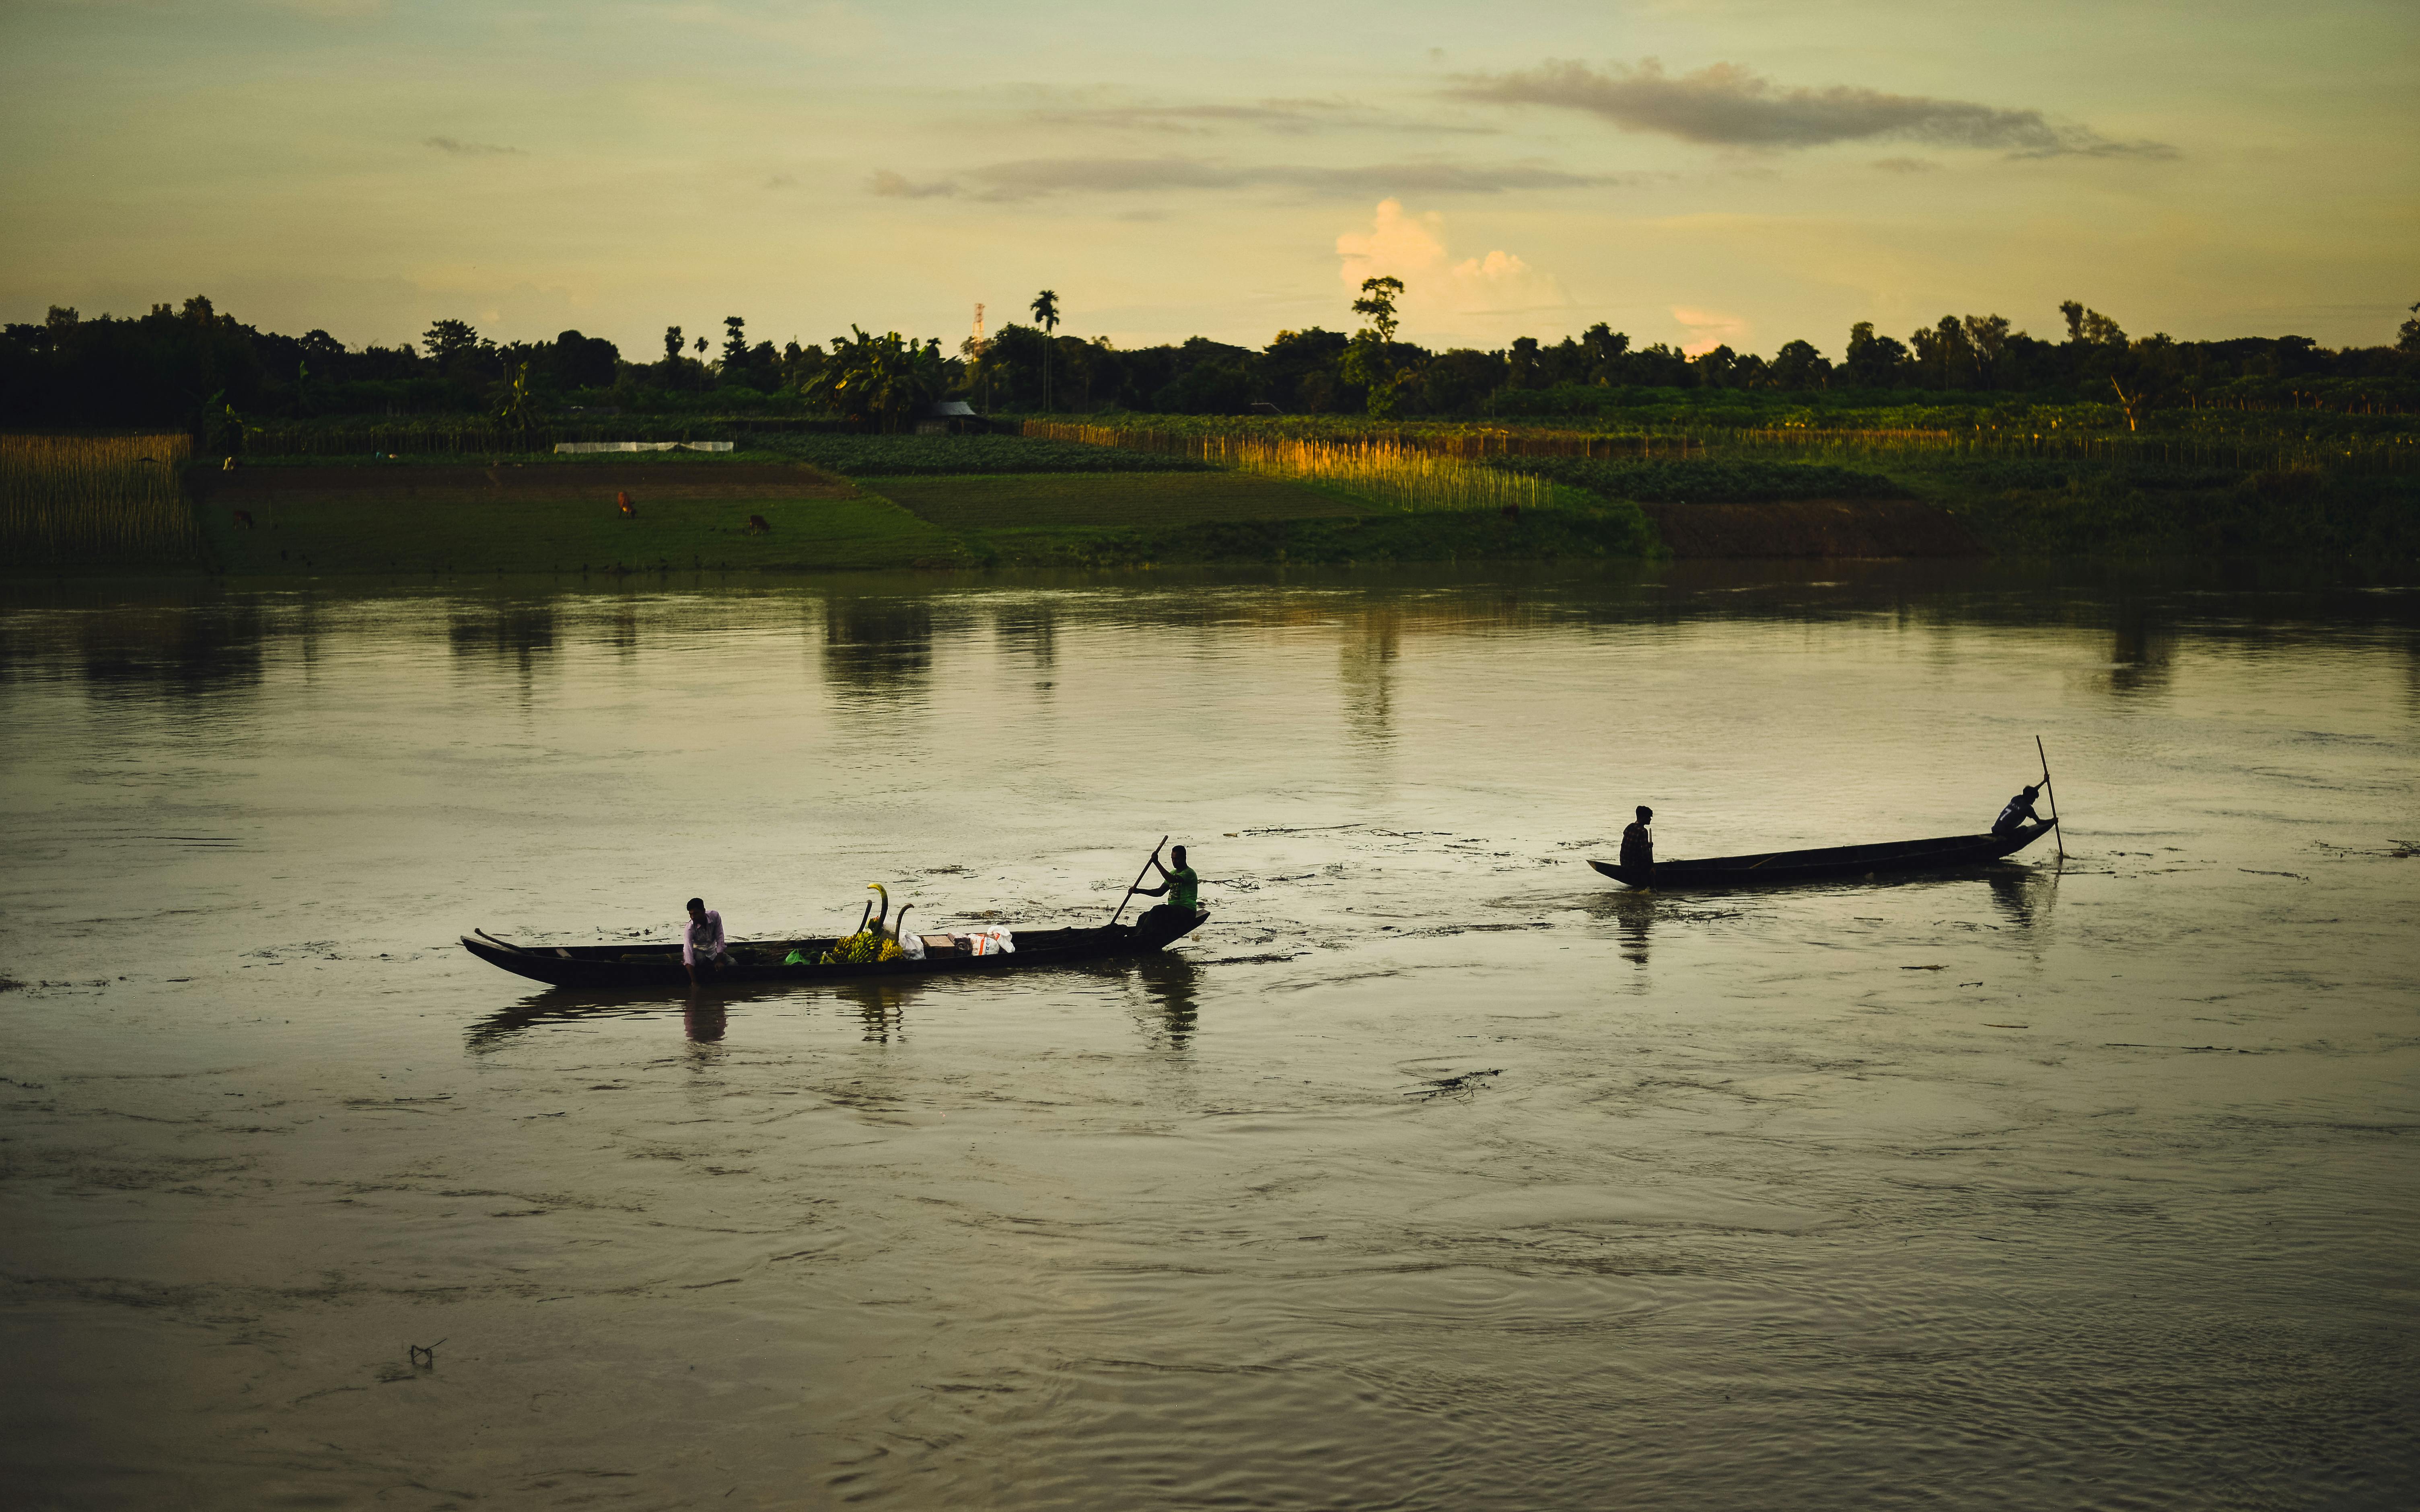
(191, 366)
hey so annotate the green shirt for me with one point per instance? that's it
(1184, 890)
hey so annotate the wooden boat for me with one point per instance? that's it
(760, 960)
(1944, 853)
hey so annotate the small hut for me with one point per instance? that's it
(952, 417)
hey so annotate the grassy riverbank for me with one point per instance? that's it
(1065, 503)
(453, 536)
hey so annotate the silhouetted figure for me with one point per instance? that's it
(1639, 841)
(1181, 888)
(704, 949)
(2019, 813)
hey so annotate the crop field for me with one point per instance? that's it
(85, 501)
(1761, 425)
(1707, 481)
(452, 536)
(1036, 501)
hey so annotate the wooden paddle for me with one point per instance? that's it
(1138, 881)
(2055, 833)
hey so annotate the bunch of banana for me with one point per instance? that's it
(860, 948)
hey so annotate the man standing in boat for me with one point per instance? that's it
(1181, 887)
(1638, 843)
(2019, 813)
(704, 950)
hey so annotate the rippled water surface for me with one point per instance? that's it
(1436, 1172)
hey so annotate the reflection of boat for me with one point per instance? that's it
(1940, 855)
(761, 961)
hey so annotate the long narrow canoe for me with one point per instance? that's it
(1942, 855)
(760, 960)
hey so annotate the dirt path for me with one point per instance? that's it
(642, 481)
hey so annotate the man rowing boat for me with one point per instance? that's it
(1638, 843)
(1181, 887)
(2019, 813)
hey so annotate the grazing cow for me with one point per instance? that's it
(756, 526)
(243, 518)
(622, 500)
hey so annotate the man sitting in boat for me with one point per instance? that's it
(1638, 843)
(2019, 813)
(702, 947)
(1181, 887)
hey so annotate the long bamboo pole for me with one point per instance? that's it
(2055, 833)
(1138, 881)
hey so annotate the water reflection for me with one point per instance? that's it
(878, 648)
(1634, 914)
(703, 1017)
(559, 1006)
(1367, 673)
(2023, 894)
(880, 1007)
(1030, 632)
(1170, 982)
(621, 635)
(139, 651)
(2141, 650)
(518, 636)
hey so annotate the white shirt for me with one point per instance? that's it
(701, 937)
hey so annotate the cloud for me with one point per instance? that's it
(1283, 117)
(470, 149)
(895, 186)
(781, 180)
(1035, 177)
(1906, 165)
(1726, 105)
(1708, 328)
(1438, 288)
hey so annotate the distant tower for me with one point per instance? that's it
(979, 353)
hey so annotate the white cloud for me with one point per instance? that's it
(1440, 293)
(1709, 329)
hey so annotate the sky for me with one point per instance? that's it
(1688, 170)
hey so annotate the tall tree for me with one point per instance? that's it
(1371, 359)
(735, 343)
(1045, 315)
(878, 381)
(445, 340)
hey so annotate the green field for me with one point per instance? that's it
(1129, 501)
(522, 535)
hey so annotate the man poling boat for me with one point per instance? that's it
(877, 949)
(2016, 828)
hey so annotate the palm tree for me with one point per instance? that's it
(1045, 315)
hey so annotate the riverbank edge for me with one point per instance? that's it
(2312, 519)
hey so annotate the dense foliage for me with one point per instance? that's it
(192, 367)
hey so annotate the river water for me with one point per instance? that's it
(1436, 1172)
